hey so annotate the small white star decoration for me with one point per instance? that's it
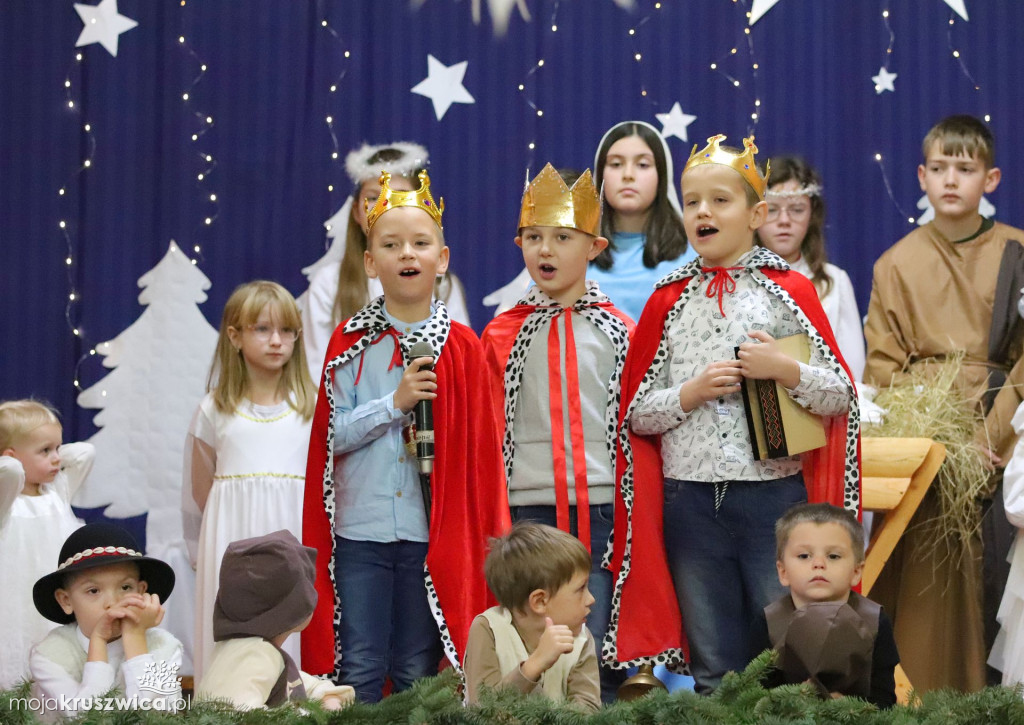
(883, 81)
(103, 24)
(674, 122)
(443, 85)
(985, 208)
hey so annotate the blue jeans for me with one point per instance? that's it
(386, 624)
(600, 579)
(723, 566)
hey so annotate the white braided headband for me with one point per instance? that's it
(809, 190)
(98, 551)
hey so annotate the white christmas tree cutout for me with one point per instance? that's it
(159, 367)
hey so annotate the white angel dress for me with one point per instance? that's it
(1007, 654)
(32, 532)
(249, 468)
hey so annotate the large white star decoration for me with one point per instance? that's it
(958, 7)
(985, 208)
(103, 24)
(759, 8)
(883, 81)
(674, 122)
(443, 85)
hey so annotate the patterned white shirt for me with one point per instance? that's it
(712, 443)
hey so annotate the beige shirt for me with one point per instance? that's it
(244, 671)
(483, 667)
(930, 296)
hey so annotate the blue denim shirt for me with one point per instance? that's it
(376, 484)
(629, 283)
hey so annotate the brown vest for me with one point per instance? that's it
(829, 643)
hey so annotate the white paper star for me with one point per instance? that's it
(985, 208)
(759, 8)
(103, 24)
(443, 85)
(674, 122)
(958, 7)
(883, 81)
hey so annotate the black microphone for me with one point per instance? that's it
(424, 416)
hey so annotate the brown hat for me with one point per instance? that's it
(266, 587)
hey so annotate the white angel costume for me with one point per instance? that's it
(246, 472)
(32, 532)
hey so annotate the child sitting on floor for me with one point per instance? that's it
(826, 634)
(266, 593)
(109, 598)
(536, 639)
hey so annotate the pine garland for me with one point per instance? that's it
(741, 700)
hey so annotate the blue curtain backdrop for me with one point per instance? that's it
(270, 66)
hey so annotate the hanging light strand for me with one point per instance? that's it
(335, 84)
(201, 124)
(888, 189)
(68, 212)
(527, 89)
(717, 65)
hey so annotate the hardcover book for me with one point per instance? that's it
(779, 426)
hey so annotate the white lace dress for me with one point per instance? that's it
(250, 467)
(32, 532)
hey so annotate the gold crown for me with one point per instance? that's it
(392, 199)
(548, 202)
(743, 162)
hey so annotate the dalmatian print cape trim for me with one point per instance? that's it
(759, 259)
(372, 320)
(539, 321)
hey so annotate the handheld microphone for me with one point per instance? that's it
(424, 416)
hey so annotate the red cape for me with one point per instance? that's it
(469, 502)
(648, 620)
(498, 339)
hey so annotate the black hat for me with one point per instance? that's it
(266, 587)
(92, 546)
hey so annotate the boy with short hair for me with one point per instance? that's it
(555, 361)
(951, 285)
(109, 597)
(536, 639)
(394, 586)
(690, 487)
(825, 632)
(266, 593)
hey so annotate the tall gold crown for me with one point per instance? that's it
(743, 162)
(548, 202)
(392, 199)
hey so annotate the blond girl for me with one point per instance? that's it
(245, 455)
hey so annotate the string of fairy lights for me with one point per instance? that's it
(335, 84)
(958, 56)
(66, 206)
(719, 66)
(202, 123)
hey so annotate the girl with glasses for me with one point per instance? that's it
(245, 454)
(795, 230)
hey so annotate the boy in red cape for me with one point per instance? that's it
(564, 341)
(693, 548)
(394, 587)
